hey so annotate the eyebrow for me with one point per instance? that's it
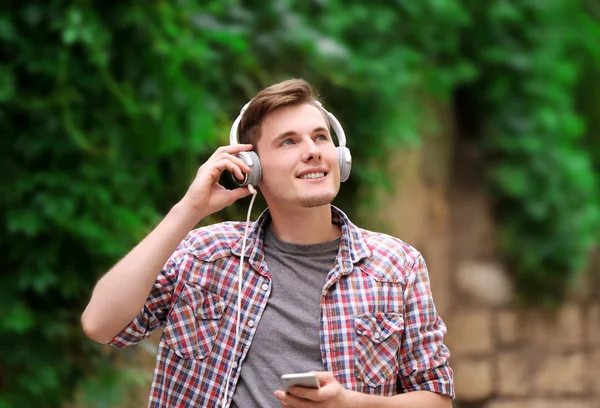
(293, 133)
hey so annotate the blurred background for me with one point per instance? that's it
(474, 132)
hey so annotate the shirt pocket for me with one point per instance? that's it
(194, 322)
(377, 346)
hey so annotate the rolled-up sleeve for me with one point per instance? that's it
(157, 306)
(423, 353)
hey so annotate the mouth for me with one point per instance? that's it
(313, 176)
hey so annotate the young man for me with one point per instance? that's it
(318, 293)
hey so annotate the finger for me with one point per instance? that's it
(238, 194)
(326, 391)
(242, 164)
(236, 160)
(232, 149)
(307, 393)
(288, 400)
(226, 164)
(324, 376)
(280, 395)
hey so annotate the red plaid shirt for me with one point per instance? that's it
(379, 330)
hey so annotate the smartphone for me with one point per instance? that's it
(307, 380)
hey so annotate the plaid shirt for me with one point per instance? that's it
(379, 330)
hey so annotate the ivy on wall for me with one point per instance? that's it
(530, 57)
(107, 110)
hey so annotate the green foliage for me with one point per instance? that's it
(529, 55)
(96, 103)
(106, 111)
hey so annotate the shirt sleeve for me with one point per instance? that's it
(423, 353)
(157, 306)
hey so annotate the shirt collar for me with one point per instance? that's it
(353, 246)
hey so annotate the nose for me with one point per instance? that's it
(311, 151)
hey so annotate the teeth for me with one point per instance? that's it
(313, 175)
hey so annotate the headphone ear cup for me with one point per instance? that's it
(255, 176)
(345, 162)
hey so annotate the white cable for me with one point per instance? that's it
(239, 298)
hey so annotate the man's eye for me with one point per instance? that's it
(322, 137)
(287, 142)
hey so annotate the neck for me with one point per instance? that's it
(305, 226)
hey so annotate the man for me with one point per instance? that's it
(318, 293)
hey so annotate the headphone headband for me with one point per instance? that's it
(333, 122)
(233, 134)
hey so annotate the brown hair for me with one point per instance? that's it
(286, 93)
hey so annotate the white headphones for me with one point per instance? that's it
(252, 160)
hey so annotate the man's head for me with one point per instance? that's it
(286, 93)
(290, 132)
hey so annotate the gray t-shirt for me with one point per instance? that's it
(287, 338)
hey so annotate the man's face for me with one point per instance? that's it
(298, 158)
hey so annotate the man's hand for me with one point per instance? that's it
(331, 394)
(120, 294)
(206, 196)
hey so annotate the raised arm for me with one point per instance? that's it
(121, 293)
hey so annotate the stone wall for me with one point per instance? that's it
(503, 357)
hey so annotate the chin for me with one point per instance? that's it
(316, 200)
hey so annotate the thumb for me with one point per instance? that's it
(324, 377)
(239, 193)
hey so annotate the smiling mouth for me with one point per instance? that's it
(313, 176)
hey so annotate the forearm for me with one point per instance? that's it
(120, 295)
(415, 399)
